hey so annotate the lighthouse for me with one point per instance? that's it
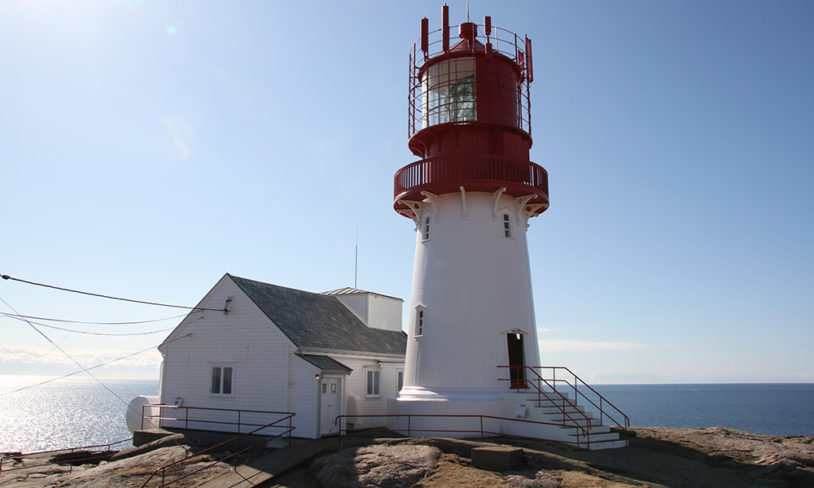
(471, 195)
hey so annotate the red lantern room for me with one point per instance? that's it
(469, 116)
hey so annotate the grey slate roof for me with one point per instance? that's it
(319, 321)
(326, 364)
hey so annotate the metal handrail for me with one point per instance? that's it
(186, 419)
(233, 455)
(410, 430)
(565, 401)
(602, 413)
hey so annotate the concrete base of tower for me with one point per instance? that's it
(447, 394)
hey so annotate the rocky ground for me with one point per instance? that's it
(657, 457)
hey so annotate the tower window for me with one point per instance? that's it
(419, 322)
(425, 230)
(507, 226)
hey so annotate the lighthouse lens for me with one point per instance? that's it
(449, 92)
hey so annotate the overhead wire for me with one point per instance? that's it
(88, 332)
(111, 297)
(88, 322)
(64, 352)
(92, 367)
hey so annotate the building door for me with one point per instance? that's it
(330, 397)
(517, 370)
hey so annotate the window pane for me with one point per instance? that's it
(375, 382)
(449, 92)
(370, 382)
(227, 381)
(400, 380)
(215, 380)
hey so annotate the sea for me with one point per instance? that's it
(76, 412)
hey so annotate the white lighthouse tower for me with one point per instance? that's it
(471, 330)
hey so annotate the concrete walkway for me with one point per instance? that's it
(263, 468)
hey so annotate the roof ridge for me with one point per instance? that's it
(274, 285)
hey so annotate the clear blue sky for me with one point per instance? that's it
(149, 147)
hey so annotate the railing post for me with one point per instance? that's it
(601, 411)
(291, 429)
(563, 409)
(554, 377)
(576, 393)
(579, 452)
(481, 428)
(339, 444)
(238, 421)
(186, 418)
(142, 417)
(409, 428)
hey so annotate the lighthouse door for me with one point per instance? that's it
(517, 370)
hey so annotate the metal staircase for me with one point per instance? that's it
(556, 394)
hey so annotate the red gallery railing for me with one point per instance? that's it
(476, 172)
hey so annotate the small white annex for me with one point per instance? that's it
(255, 346)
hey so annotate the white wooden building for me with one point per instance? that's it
(257, 346)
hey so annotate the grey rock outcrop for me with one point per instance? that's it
(376, 466)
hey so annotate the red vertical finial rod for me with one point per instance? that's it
(529, 67)
(425, 35)
(445, 28)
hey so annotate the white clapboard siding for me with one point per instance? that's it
(356, 303)
(304, 397)
(376, 311)
(384, 312)
(243, 339)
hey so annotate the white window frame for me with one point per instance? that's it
(222, 367)
(425, 228)
(507, 226)
(420, 321)
(373, 378)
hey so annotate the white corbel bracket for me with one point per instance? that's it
(521, 207)
(530, 211)
(496, 195)
(432, 199)
(413, 210)
(463, 202)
